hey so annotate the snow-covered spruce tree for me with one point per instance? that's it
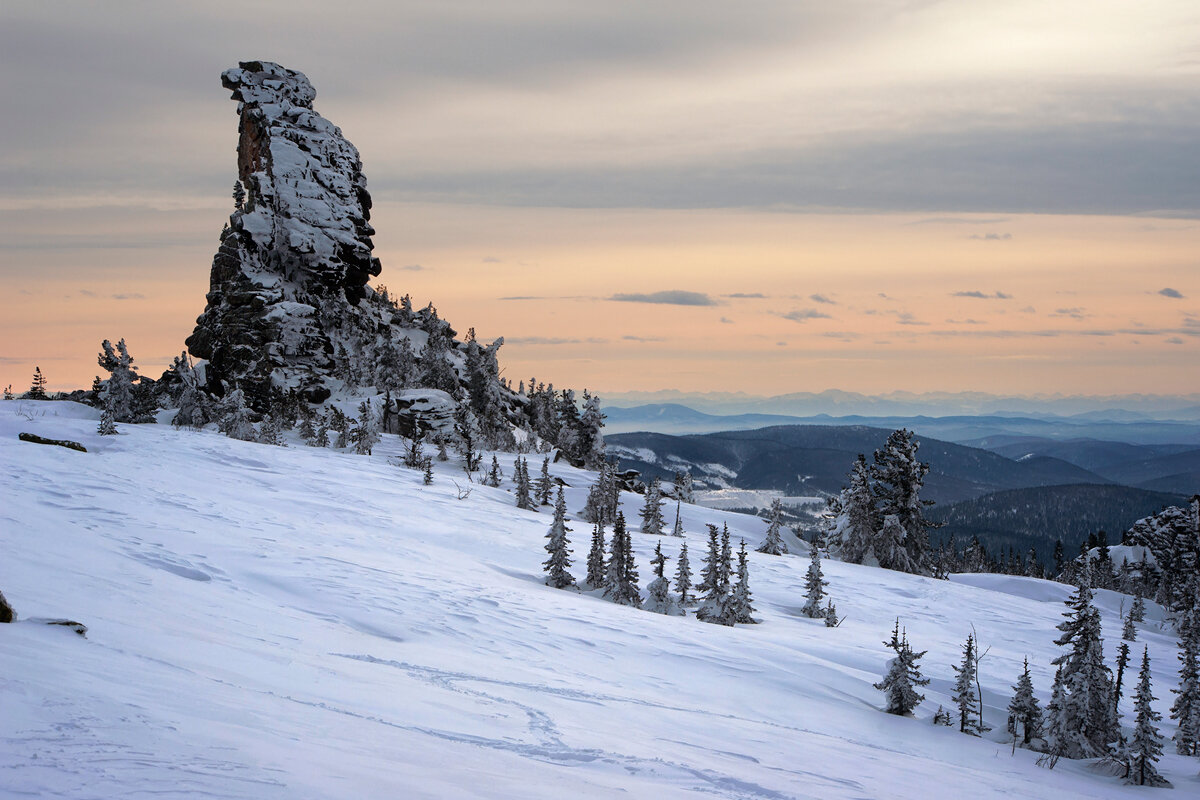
(814, 587)
(659, 598)
(715, 579)
(1057, 735)
(118, 389)
(1146, 745)
(1137, 611)
(741, 602)
(964, 696)
(466, 434)
(494, 475)
(427, 471)
(364, 432)
(544, 484)
(524, 500)
(1128, 632)
(1186, 708)
(897, 477)
(854, 521)
(8, 392)
(414, 454)
(234, 417)
(683, 577)
(559, 562)
(591, 438)
(652, 519)
(271, 431)
(568, 426)
(595, 559)
(677, 528)
(1088, 722)
(685, 491)
(107, 425)
(773, 545)
(1024, 713)
(37, 387)
(621, 577)
(831, 616)
(903, 676)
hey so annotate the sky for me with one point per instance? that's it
(767, 197)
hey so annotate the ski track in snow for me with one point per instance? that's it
(289, 623)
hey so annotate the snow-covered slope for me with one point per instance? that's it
(294, 623)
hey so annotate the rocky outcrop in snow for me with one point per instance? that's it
(289, 281)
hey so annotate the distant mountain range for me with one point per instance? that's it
(963, 429)
(1019, 490)
(1117, 408)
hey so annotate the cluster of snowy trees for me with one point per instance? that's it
(721, 597)
(1082, 719)
(879, 518)
(1172, 536)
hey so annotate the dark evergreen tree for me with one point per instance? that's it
(621, 579)
(965, 696)
(466, 432)
(559, 562)
(831, 616)
(715, 579)
(1122, 663)
(427, 472)
(814, 586)
(1024, 714)
(1137, 612)
(741, 607)
(37, 387)
(652, 520)
(903, 676)
(544, 484)
(524, 500)
(677, 529)
(1186, 708)
(773, 544)
(683, 577)
(1146, 745)
(595, 559)
(1128, 632)
(494, 474)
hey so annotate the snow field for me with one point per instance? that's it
(287, 622)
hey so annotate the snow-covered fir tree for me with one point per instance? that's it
(603, 497)
(1128, 632)
(853, 519)
(831, 616)
(683, 577)
(684, 490)
(559, 563)
(652, 520)
(544, 484)
(1087, 720)
(896, 481)
(118, 389)
(364, 431)
(1186, 708)
(1024, 713)
(107, 425)
(234, 418)
(773, 544)
(595, 559)
(1145, 747)
(741, 601)
(715, 584)
(965, 697)
(494, 476)
(1137, 611)
(590, 439)
(427, 472)
(903, 676)
(814, 586)
(658, 593)
(521, 477)
(621, 576)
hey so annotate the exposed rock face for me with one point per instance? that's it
(293, 265)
